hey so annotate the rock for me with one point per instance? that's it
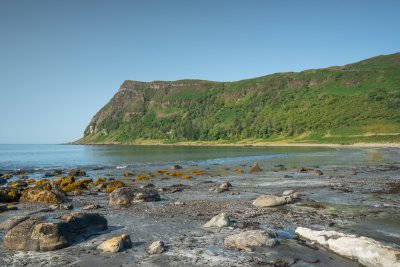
(148, 186)
(176, 167)
(91, 207)
(287, 176)
(3, 181)
(125, 196)
(10, 223)
(53, 173)
(4, 208)
(220, 220)
(77, 172)
(18, 183)
(225, 185)
(41, 195)
(116, 244)
(255, 168)
(248, 240)
(272, 200)
(8, 194)
(61, 207)
(287, 192)
(367, 251)
(40, 234)
(318, 173)
(157, 247)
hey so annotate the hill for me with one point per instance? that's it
(355, 103)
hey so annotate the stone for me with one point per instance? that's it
(367, 251)
(220, 220)
(3, 181)
(225, 185)
(8, 194)
(287, 192)
(249, 240)
(53, 173)
(18, 183)
(126, 196)
(41, 195)
(61, 207)
(176, 167)
(91, 207)
(272, 200)
(77, 172)
(318, 173)
(10, 223)
(116, 244)
(255, 168)
(157, 247)
(44, 234)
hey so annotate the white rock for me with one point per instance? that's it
(366, 251)
(157, 247)
(287, 192)
(220, 220)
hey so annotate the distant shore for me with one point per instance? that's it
(244, 144)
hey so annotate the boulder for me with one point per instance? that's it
(77, 172)
(41, 195)
(18, 183)
(8, 194)
(272, 200)
(53, 173)
(368, 252)
(255, 168)
(125, 196)
(157, 247)
(220, 220)
(116, 244)
(43, 234)
(176, 167)
(10, 223)
(249, 240)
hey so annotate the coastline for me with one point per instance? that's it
(245, 144)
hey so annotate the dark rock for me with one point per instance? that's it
(4, 208)
(3, 181)
(77, 172)
(148, 186)
(8, 194)
(176, 167)
(53, 173)
(39, 234)
(129, 195)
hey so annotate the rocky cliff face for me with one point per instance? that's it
(334, 104)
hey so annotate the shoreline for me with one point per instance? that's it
(255, 144)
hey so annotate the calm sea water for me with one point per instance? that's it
(70, 156)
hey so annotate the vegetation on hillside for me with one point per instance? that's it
(355, 103)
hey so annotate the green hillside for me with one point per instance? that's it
(356, 103)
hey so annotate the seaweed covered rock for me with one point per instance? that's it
(41, 195)
(8, 194)
(129, 195)
(40, 234)
(255, 168)
(77, 172)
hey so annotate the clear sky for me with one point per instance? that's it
(61, 61)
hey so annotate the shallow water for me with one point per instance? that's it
(68, 156)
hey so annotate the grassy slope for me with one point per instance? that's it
(357, 103)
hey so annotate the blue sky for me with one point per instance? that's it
(61, 61)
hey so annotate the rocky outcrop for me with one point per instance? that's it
(272, 200)
(40, 234)
(219, 221)
(116, 244)
(42, 195)
(126, 196)
(249, 240)
(366, 251)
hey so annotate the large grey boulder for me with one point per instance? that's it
(126, 196)
(249, 240)
(272, 200)
(41, 234)
(368, 252)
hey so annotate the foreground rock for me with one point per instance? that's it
(10, 223)
(156, 247)
(272, 200)
(366, 251)
(249, 240)
(39, 234)
(126, 196)
(42, 195)
(220, 220)
(116, 244)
